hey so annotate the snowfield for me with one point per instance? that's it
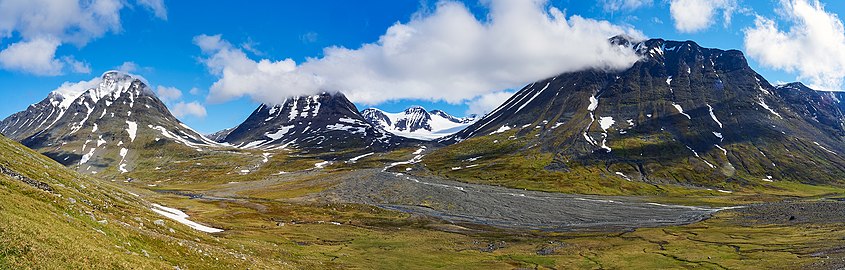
(181, 217)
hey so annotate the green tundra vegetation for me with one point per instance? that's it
(56, 218)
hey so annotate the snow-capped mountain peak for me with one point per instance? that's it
(416, 122)
(111, 83)
(99, 124)
(323, 121)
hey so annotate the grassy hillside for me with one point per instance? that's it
(515, 158)
(75, 221)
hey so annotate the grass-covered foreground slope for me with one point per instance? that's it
(54, 218)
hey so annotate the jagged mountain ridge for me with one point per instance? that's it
(327, 121)
(220, 136)
(100, 128)
(416, 122)
(682, 113)
(822, 108)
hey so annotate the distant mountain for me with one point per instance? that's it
(219, 136)
(326, 122)
(415, 122)
(825, 110)
(100, 128)
(682, 114)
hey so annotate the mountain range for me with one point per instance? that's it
(416, 122)
(683, 113)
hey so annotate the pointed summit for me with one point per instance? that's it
(98, 125)
(327, 121)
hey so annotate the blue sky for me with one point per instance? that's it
(164, 48)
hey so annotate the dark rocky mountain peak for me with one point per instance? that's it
(327, 121)
(681, 110)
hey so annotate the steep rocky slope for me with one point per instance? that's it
(101, 127)
(683, 114)
(325, 122)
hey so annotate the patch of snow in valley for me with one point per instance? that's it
(87, 156)
(416, 159)
(623, 176)
(355, 159)
(321, 165)
(181, 217)
(122, 167)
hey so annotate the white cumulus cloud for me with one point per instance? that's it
(39, 27)
(168, 94)
(36, 56)
(128, 67)
(77, 66)
(696, 15)
(156, 6)
(488, 102)
(447, 55)
(72, 90)
(183, 109)
(813, 47)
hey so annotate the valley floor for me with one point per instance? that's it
(288, 213)
(369, 218)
